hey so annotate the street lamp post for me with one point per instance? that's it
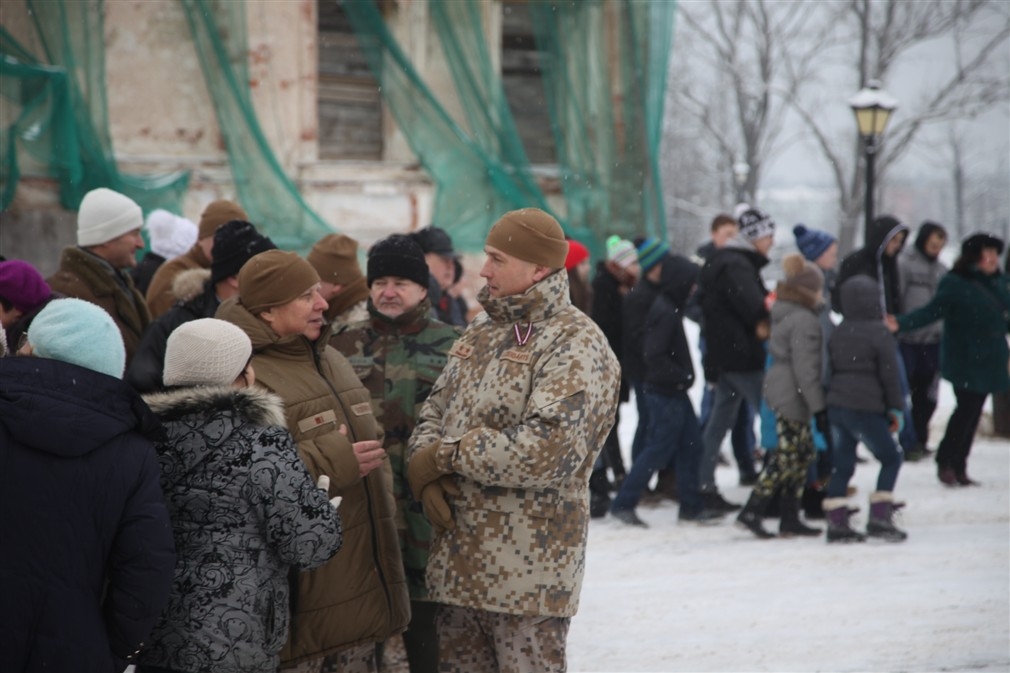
(741, 171)
(873, 107)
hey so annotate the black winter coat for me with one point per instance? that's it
(871, 261)
(733, 303)
(145, 371)
(87, 554)
(667, 356)
(606, 312)
(636, 309)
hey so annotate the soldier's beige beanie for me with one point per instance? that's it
(105, 215)
(335, 259)
(531, 235)
(273, 278)
(206, 352)
(217, 213)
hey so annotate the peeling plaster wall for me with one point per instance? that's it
(162, 119)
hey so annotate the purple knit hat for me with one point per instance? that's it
(22, 285)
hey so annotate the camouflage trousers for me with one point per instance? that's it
(479, 641)
(787, 467)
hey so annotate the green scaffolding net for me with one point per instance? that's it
(603, 64)
(55, 113)
(604, 73)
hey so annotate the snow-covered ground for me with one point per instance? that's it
(683, 597)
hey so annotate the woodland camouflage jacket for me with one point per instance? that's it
(521, 411)
(398, 360)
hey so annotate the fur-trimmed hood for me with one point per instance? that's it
(190, 283)
(253, 405)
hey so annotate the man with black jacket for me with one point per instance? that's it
(736, 327)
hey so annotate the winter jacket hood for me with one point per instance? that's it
(860, 299)
(104, 409)
(677, 279)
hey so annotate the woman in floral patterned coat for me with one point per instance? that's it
(244, 509)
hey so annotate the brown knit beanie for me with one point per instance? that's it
(335, 259)
(216, 214)
(531, 235)
(273, 278)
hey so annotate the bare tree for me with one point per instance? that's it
(745, 48)
(884, 31)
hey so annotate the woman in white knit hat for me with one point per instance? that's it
(244, 509)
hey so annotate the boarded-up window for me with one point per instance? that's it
(350, 107)
(523, 82)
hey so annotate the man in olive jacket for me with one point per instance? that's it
(501, 456)
(108, 238)
(359, 597)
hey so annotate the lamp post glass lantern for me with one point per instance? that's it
(873, 107)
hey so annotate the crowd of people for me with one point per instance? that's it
(228, 457)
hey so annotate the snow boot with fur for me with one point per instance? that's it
(837, 512)
(881, 523)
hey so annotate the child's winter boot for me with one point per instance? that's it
(837, 512)
(881, 523)
(791, 523)
(752, 514)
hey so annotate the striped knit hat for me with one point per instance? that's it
(621, 251)
(651, 252)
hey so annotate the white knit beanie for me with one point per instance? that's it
(206, 352)
(170, 235)
(105, 215)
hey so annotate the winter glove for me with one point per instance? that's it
(422, 469)
(897, 418)
(435, 505)
(323, 484)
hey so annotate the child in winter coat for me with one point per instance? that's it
(864, 405)
(792, 388)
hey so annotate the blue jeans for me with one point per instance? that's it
(733, 389)
(848, 428)
(642, 429)
(673, 436)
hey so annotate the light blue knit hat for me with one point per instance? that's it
(78, 332)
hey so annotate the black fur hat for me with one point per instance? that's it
(398, 255)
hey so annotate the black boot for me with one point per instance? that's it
(790, 523)
(813, 501)
(751, 516)
(599, 494)
(837, 512)
(881, 523)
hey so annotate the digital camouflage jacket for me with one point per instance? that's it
(520, 411)
(398, 360)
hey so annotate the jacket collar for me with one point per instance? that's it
(541, 301)
(410, 322)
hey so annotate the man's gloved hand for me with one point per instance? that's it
(422, 469)
(897, 418)
(436, 507)
(323, 484)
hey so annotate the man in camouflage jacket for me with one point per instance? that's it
(501, 457)
(398, 353)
